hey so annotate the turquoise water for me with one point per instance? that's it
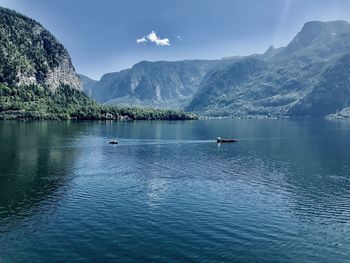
(168, 193)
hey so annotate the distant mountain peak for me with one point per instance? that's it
(315, 31)
(326, 23)
(271, 51)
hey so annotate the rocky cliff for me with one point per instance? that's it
(30, 55)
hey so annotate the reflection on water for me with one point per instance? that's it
(33, 168)
(168, 192)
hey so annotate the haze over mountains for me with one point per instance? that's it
(308, 77)
(161, 84)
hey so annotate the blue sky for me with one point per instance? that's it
(101, 35)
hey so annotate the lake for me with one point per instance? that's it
(169, 193)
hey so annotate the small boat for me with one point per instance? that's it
(113, 142)
(221, 140)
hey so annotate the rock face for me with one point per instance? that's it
(30, 55)
(157, 84)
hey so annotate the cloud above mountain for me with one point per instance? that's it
(154, 38)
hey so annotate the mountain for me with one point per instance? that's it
(38, 80)
(161, 84)
(308, 77)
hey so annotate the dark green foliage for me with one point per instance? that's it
(36, 102)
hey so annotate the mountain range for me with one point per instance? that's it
(158, 84)
(308, 77)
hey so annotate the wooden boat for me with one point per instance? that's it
(113, 142)
(221, 140)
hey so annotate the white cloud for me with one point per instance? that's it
(155, 39)
(141, 40)
(152, 37)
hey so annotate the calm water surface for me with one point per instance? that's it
(168, 193)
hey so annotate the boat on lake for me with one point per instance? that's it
(222, 140)
(113, 142)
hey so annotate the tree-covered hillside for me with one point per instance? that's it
(307, 78)
(36, 102)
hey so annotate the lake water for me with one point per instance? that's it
(169, 193)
